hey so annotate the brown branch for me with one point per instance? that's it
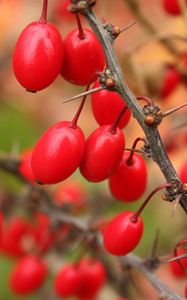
(152, 134)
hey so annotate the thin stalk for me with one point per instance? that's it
(81, 34)
(147, 99)
(43, 17)
(76, 117)
(129, 161)
(136, 215)
(115, 125)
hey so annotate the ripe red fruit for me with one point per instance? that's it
(93, 276)
(122, 234)
(67, 281)
(83, 57)
(106, 106)
(28, 275)
(175, 268)
(172, 7)
(183, 172)
(61, 10)
(58, 153)
(70, 193)
(13, 233)
(103, 152)
(38, 56)
(129, 181)
(25, 166)
(170, 81)
(185, 291)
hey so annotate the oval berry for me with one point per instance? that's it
(83, 58)
(25, 166)
(172, 7)
(38, 56)
(129, 181)
(122, 235)
(183, 172)
(71, 194)
(107, 105)
(28, 275)
(103, 153)
(67, 281)
(170, 81)
(58, 153)
(93, 276)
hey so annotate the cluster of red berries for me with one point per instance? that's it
(62, 148)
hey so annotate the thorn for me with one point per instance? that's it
(84, 94)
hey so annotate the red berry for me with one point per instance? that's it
(13, 233)
(1, 226)
(93, 276)
(103, 153)
(107, 105)
(58, 153)
(38, 56)
(67, 281)
(83, 58)
(28, 275)
(175, 268)
(172, 7)
(170, 81)
(70, 193)
(129, 182)
(25, 166)
(183, 172)
(61, 10)
(185, 291)
(122, 234)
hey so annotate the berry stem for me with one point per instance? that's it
(115, 125)
(81, 34)
(43, 17)
(129, 161)
(76, 117)
(147, 99)
(127, 27)
(135, 216)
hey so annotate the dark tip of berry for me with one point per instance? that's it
(39, 182)
(30, 91)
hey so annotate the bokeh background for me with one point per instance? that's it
(24, 116)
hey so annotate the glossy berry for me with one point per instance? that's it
(122, 235)
(83, 57)
(28, 275)
(67, 281)
(170, 81)
(58, 153)
(103, 153)
(172, 6)
(129, 181)
(183, 172)
(70, 193)
(25, 166)
(106, 106)
(38, 56)
(93, 276)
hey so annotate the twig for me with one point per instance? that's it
(134, 261)
(152, 134)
